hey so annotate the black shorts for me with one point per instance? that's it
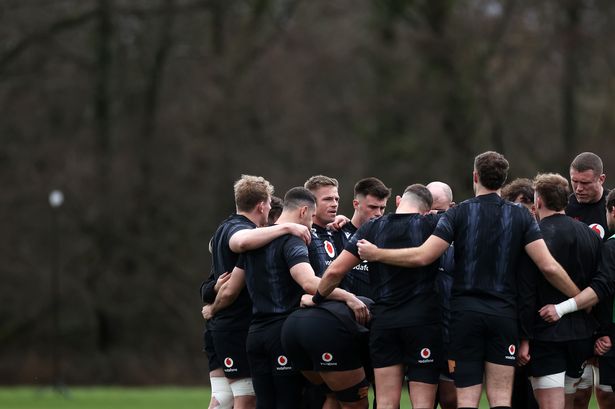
(210, 350)
(230, 347)
(607, 370)
(418, 348)
(550, 357)
(266, 354)
(477, 337)
(317, 341)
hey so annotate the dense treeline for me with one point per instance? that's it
(145, 112)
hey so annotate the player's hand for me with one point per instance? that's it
(300, 231)
(306, 301)
(548, 313)
(207, 312)
(338, 223)
(361, 312)
(367, 250)
(523, 356)
(602, 345)
(221, 280)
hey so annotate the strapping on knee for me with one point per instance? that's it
(221, 392)
(556, 380)
(242, 387)
(354, 393)
(571, 385)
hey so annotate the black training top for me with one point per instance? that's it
(402, 296)
(357, 280)
(274, 292)
(444, 286)
(578, 250)
(322, 249)
(237, 316)
(490, 235)
(592, 214)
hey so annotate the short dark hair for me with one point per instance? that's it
(492, 169)
(277, 205)
(610, 200)
(421, 194)
(519, 187)
(372, 186)
(587, 161)
(297, 197)
(553, 189)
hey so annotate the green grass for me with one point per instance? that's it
(124, 398)
(104, 398)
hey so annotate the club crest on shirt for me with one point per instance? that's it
(598, 229)
(329, 249)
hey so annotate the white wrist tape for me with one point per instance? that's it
(565, 307)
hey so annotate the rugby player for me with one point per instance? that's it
(228, 329)
(490, 235)
(276, 276)
(442, 195)
(405, 329)
(558, 351)
(587, 204)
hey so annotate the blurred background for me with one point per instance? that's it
(143, 113)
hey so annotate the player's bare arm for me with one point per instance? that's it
(250, 239)
(426, 254)
(336, 272)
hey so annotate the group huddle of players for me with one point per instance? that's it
(307, 309)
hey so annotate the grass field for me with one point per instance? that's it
(121, 398)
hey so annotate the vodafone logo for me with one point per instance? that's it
(425, 353)
(329, 249)
(598, 229)
(327, 357)
(282, 360)
(228, 362)
(512, 349)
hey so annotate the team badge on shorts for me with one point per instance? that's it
(425, 355)
(327, 359)
(283, 363)
(511, 352)
(329, 249)
(228, 363)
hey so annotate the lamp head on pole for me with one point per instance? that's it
(56, 198)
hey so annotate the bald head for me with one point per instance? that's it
(442, 195)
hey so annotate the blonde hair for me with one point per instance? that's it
(251, 190)
(318, 181)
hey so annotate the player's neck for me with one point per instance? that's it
(481, 191)
(544, 213)
(253, 216)
(356, 220)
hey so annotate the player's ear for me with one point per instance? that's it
(303, 211)
(602, 178)
(475, 176)
(397, 200)
(355, 203)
